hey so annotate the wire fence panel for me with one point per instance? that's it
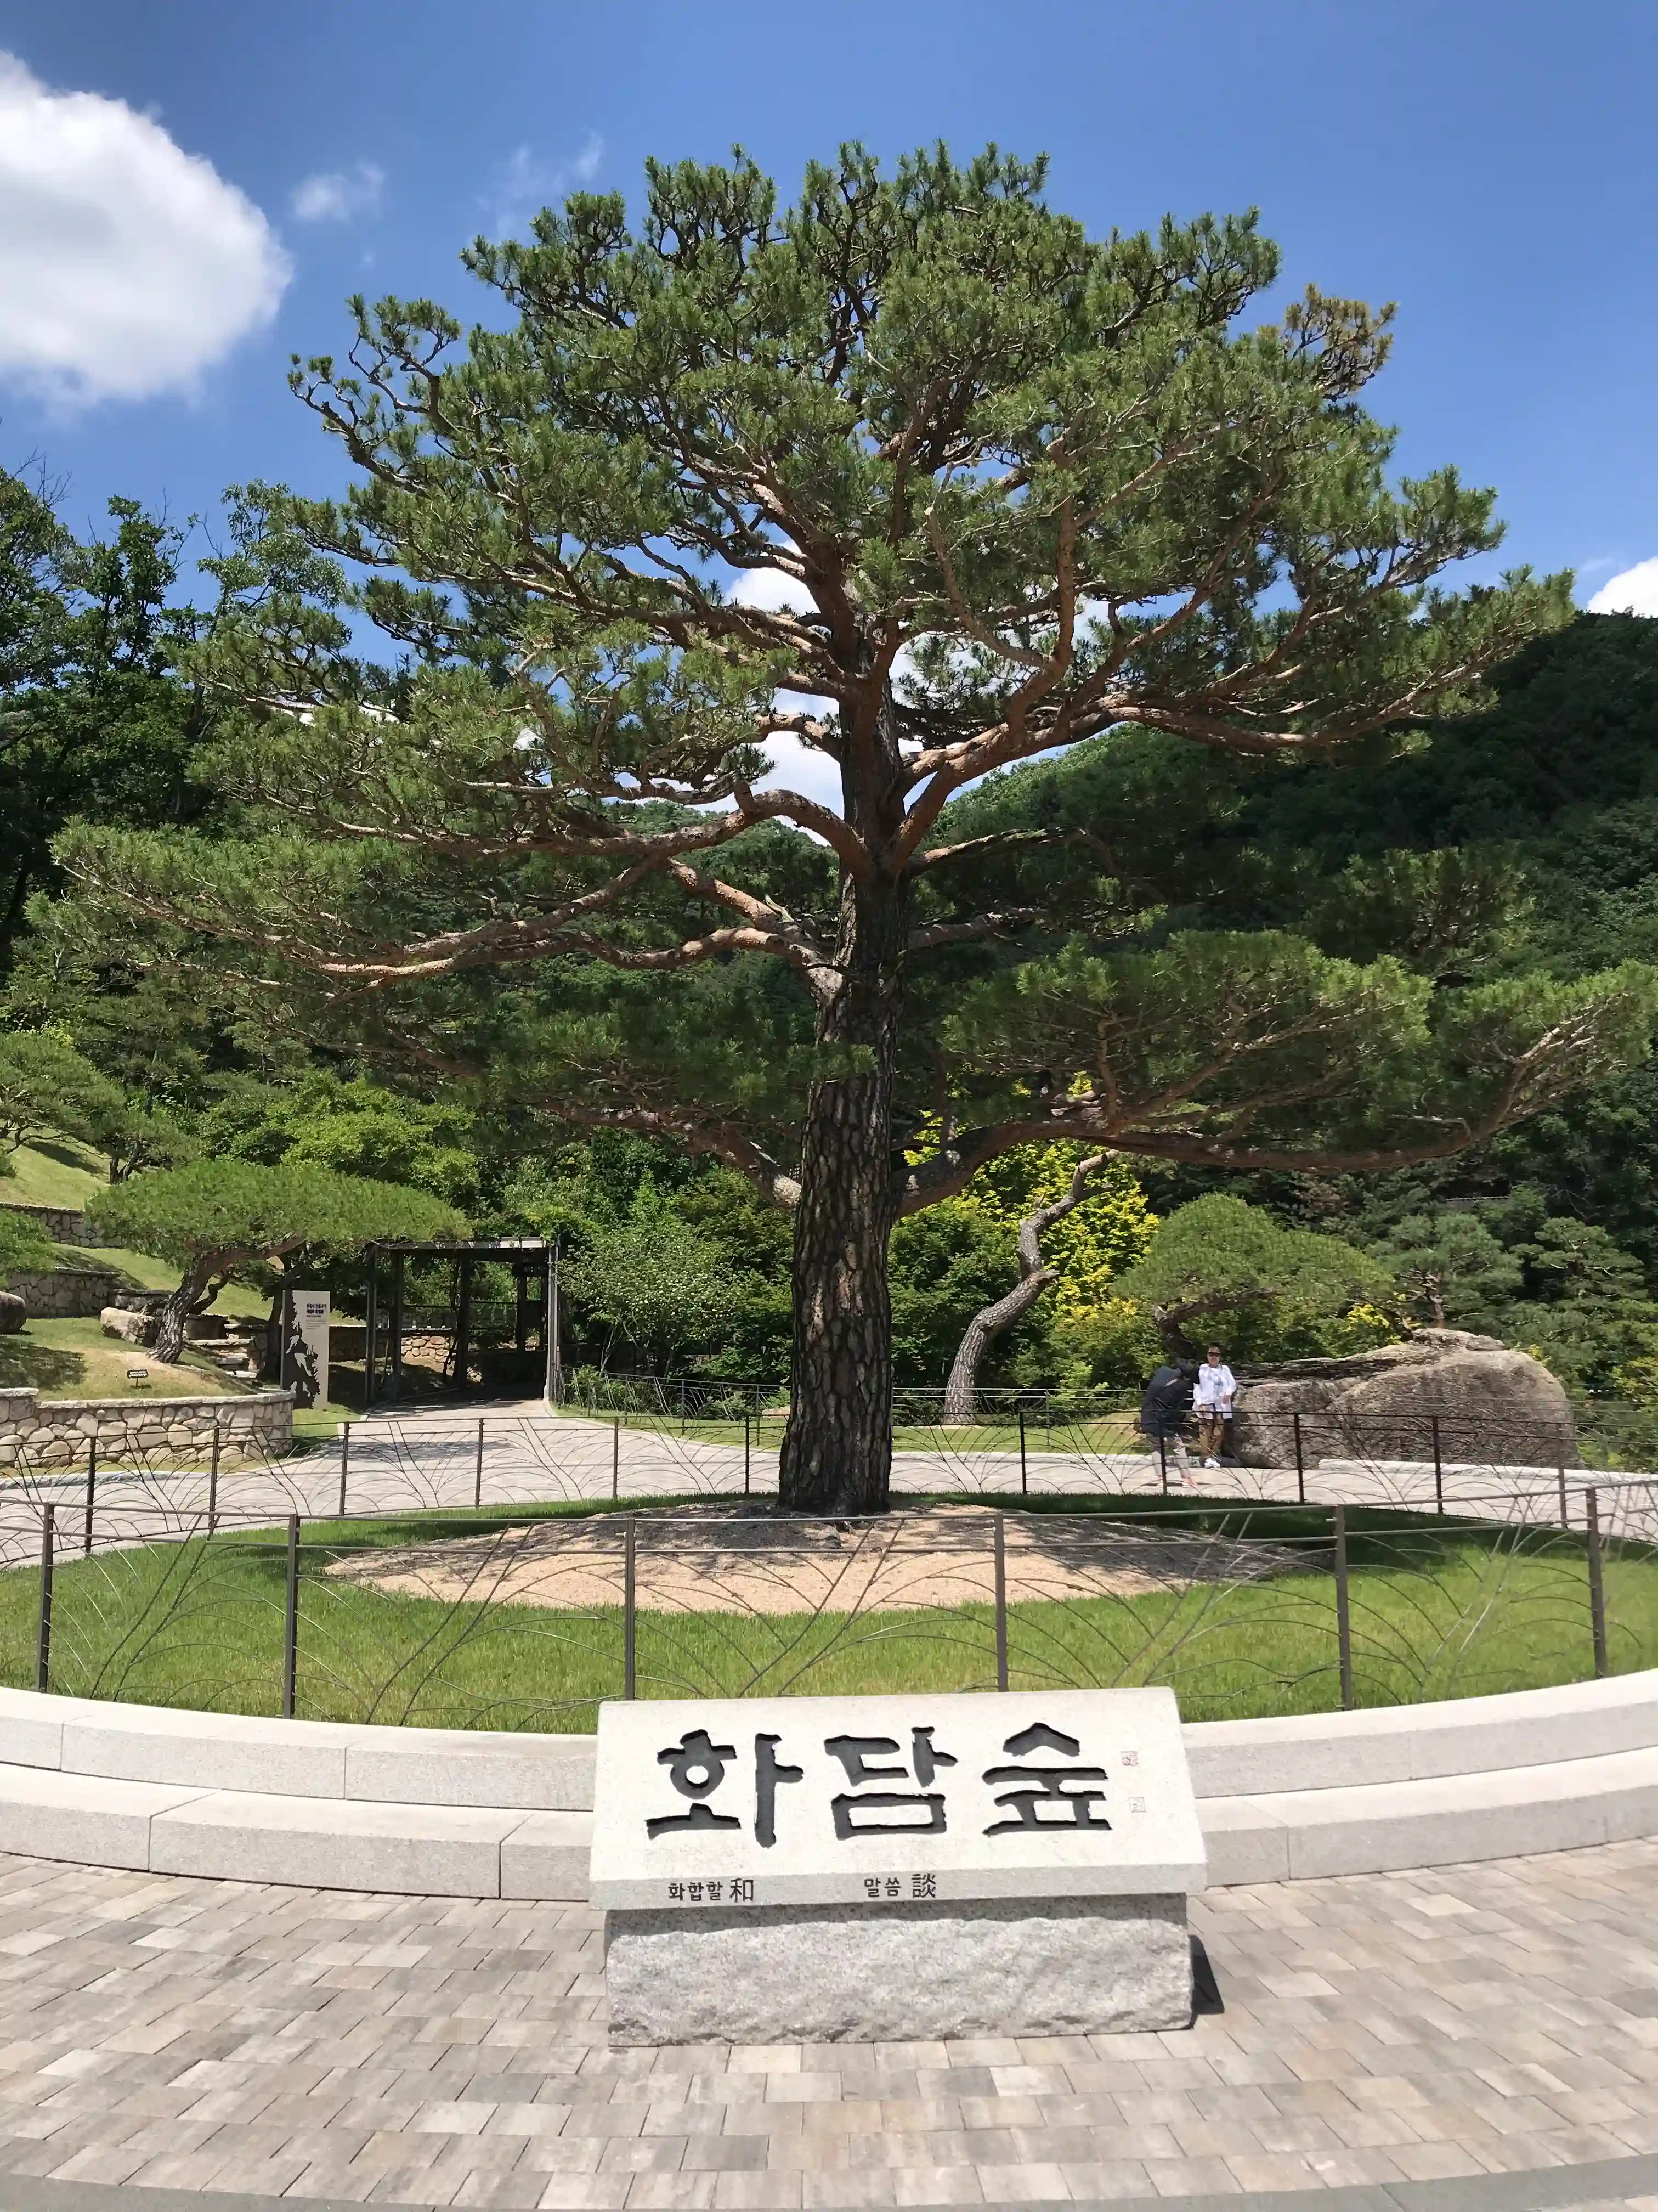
(514, 1571)
(530, 1618)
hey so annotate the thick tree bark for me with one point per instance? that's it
(182, 1303)
(962, 1392)
(837, 1448)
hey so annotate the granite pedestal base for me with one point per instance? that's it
(899, 1973)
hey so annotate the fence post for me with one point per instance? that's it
(1565, 1510)
(1439, 1467)
(345, 1462)
(1024, 1472)
(1001, 1600)
(681, 1406)
(213, 1478)
(1597, 1588)
(1301, 1462)
(1344, 1612)
(478, 1470)
(1163, 1462)
(291, 1626)
(92, 1491)
(615, 1457)
(43, 1635)
(629, 1611)
(745, 1451)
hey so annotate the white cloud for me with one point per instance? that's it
(524, 184)
(336, 195)
(795, 766)
(1633, 592)
(771, 589)
(127, 266)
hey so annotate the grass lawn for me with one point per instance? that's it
(58, 1172)
(1109, 1432)
(146, 1273)
(1439, 1610)
(76, 1359)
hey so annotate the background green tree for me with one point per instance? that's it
(1212, 1263)
(653, 1281)
(917, 447)
(96, 722)
(24, 1244)
(49, 1088)
(219, 1221)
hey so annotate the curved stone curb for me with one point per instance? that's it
(1608, 2183)
(463, 1813)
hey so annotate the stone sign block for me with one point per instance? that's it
(884, 1869)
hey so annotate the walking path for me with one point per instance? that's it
(1380, 2030)
(414, 1462)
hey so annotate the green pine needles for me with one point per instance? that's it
(914, 473)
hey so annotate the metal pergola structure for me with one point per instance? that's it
(530, 1258)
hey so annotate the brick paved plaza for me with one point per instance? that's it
(1378, 2028)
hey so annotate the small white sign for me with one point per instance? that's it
(884, 1801)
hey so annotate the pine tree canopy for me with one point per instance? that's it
(917, 473)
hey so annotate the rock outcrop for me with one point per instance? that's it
(132, 1327)
(14, 1312)
(1490, 1404)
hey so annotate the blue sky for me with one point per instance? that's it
(1489, 164)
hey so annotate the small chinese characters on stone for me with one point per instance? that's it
(1036, 1787)
(916, 1812)
(742, 1892)
(696, 1767)
(924, 1885)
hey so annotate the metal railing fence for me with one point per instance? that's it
(392, 1580)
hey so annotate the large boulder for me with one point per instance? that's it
(132, 1327)
(14, 1312)
(1491, 1405)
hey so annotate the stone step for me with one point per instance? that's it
(314, 1843)
(1380, 1827)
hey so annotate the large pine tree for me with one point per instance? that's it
(918, 473)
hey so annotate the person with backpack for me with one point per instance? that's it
(1164, 1409)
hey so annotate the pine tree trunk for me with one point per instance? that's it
(170, 1327)
(960, 1407)
(837, 1448)
(183, 1303)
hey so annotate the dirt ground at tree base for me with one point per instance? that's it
(726, 1559)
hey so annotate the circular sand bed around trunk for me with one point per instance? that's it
(729, 1559)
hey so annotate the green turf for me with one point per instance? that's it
(56, 1172)
(1439, 1610)
(75, 1359)
(1109, 1432)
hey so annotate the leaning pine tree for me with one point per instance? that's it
(924, 479)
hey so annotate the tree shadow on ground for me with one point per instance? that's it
(26, 1366)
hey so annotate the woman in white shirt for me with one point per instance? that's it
(1212, 1401)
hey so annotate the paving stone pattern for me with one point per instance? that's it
(1379, 2028)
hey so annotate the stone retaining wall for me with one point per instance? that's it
(61, 1223)
(67, 1293)
(57, 1432)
